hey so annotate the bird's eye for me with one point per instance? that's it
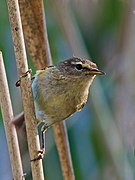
(78, 66)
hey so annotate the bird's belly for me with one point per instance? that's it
(58, 107)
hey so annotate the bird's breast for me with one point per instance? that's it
(55, 102)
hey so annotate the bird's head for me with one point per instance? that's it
(77, 68)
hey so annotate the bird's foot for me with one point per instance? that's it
(40, 155)
(23, 76)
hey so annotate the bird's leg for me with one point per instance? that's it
(43, 138)
(41, 152)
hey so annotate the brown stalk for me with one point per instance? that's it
(21, 60)
(66, 19)
(11, 135)
(35, 32)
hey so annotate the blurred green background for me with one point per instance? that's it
(101, 136)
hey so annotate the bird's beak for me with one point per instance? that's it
(95, 71)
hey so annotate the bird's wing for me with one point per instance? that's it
(56, 74)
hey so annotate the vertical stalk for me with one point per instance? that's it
(11, 135)
(21, 60)
(60, 134)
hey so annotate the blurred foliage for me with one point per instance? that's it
(100, 23)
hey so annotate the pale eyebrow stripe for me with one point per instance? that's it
(76, 63)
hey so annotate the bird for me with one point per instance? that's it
(61, 90)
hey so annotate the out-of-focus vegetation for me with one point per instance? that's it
(102, 136)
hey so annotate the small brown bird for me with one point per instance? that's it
(62, 89)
